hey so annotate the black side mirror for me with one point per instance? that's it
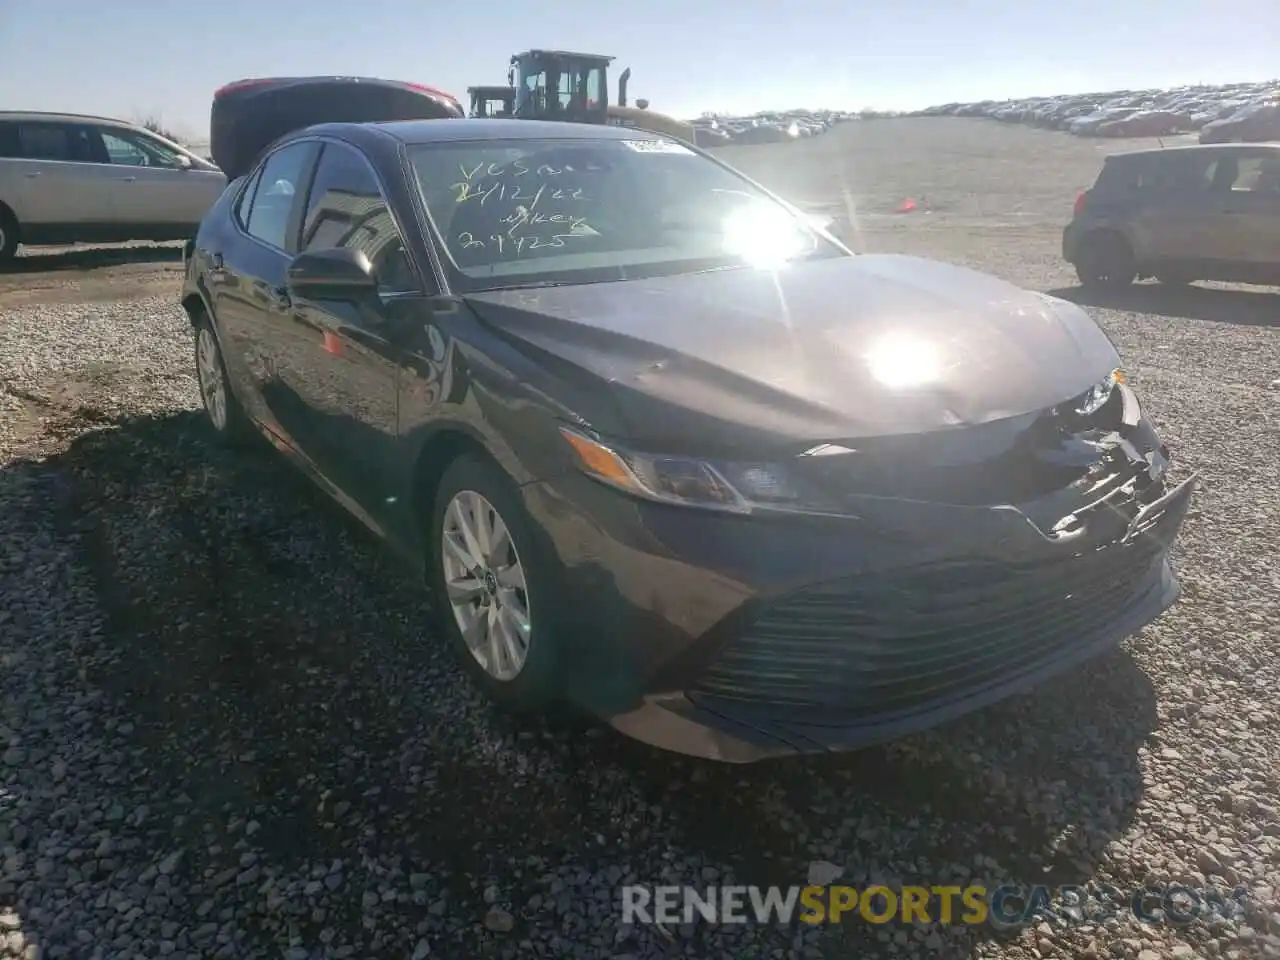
(338, 273)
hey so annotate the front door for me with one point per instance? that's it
(345, 370)
(151, 188)
(247, 283)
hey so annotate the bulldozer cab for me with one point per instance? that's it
(560, 85)
(490, 102)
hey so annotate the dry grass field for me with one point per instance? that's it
(225, 732)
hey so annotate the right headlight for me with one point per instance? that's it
(734, 487)
(1096, 397)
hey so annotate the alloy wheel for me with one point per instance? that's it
(486, 587)
(213, 385)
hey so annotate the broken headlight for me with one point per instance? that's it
(692, 482)
(1096, 397)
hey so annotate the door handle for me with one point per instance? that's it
(32, 176)
(127, 179)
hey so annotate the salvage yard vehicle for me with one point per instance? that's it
(66, 178)
(1180, 214)
(563, 85)
(489, 103)
(664, 450)
(248, 114)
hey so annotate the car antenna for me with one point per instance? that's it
(1160, 140)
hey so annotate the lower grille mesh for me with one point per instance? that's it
(887, 643)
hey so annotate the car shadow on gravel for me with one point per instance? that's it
(49, 260)
(1249, 308)
(276, 684)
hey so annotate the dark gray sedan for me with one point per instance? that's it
(667, 451)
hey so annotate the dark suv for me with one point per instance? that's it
(1180, 214)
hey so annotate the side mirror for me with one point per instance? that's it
(338, 273)
(184, 162)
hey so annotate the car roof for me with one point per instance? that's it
(46, 117)
(444, 131)
(1191, 147)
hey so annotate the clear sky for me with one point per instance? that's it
(137, 58)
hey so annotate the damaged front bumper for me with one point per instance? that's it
(739, 638)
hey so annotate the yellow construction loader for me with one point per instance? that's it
(562, 85)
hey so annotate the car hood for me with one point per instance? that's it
(841, 348)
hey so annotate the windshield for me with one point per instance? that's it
(517, 212)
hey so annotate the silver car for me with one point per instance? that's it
(66, 178)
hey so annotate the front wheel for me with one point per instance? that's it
(494, 587)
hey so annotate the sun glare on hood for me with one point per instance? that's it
(904, 361)
(762, 235)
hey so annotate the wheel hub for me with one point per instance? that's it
(485, 582)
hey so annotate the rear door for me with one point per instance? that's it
(1181, 219)
(248, 279)
(342, 369)
(59, 183)
(152, 187)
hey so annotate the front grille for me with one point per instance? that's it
(888, 643)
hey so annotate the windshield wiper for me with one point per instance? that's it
(536, 284)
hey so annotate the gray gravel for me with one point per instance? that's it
(227, 733)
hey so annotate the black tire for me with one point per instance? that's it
(233, 429)
(9, 232)
(1106, 262)
(537, 687)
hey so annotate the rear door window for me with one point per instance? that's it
(279, 195)
(9, 141)
(1177, 172)
(66, 142)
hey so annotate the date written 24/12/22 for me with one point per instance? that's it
(533, 208)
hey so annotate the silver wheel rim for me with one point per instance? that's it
(486, 587)
(213, 387)
(4, 237)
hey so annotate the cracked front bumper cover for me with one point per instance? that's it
(887, 687)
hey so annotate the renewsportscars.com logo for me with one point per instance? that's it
(1002, 906)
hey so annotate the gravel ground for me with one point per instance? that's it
(226, 732)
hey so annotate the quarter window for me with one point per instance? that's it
(346, 208)
(280, 182)
(246, 199)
